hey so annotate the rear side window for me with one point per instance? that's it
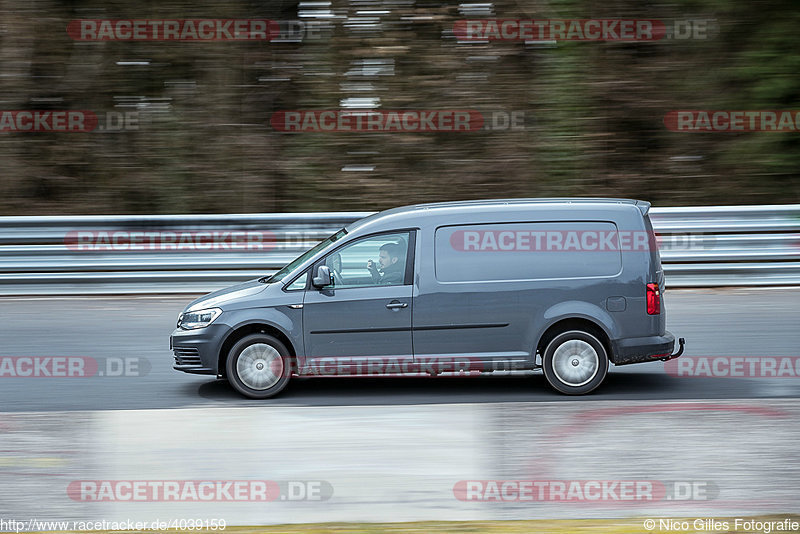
(529, 251)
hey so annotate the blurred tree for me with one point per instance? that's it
(593, 111)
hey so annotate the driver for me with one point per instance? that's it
(391, 258)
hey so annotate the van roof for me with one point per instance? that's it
(431, 209)
(518, 201)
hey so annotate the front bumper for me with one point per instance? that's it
(197, 351)
(644, 349)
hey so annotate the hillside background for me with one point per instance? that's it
(593, 110)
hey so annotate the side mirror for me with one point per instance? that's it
(323, 277)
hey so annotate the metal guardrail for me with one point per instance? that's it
(719, 246)
(700, 247)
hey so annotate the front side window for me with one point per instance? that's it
(373, 261)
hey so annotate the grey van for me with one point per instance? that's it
(566, 286)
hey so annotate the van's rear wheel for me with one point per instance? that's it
(259, 366)
(575, 362)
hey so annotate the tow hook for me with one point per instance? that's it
(681, 342)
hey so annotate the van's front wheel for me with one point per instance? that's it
(575, 362)
(259, 366)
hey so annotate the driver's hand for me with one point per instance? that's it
(371, 265)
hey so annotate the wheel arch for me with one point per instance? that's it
(256, 327)
(566, 324)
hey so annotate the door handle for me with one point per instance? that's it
(395, 305)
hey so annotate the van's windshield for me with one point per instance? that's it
(277, 277)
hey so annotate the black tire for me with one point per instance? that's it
(259, 366)
(569, 365)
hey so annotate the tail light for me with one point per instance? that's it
(653, 299)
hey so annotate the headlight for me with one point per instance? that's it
(198, 319)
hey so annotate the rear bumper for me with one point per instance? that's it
(642, 349)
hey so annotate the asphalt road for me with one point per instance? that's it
(744, 322)
(393, 449)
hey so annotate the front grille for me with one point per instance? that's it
(187, 356)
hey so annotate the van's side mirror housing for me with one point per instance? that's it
(323, 277)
